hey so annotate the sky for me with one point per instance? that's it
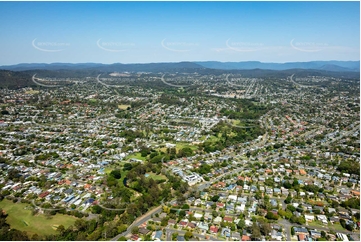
(144, 32)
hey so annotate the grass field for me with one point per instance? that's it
(22, 219)
(156, 177)
(181, 145)
(335, 226)
(213, 139)
(136, 156)
(123, 106)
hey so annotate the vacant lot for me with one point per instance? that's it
(123, 106)
(20, 217)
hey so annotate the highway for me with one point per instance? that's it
(43, 85)
(172, 85)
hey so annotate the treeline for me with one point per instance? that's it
(8, 234)
(351, 167)
(152, 192)
(231, 135)
(171, 153)
(15, 80)
(171, 100)
(131, 135)
(246, 109)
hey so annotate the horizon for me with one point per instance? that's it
(128, 33)
(78, 63)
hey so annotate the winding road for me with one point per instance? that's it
(172, 85)
(41, 84)
(138, 222)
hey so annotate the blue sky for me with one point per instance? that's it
(142, 32)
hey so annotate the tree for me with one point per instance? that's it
(80, 224)
(185, 206)
(35, 237)
(166, 209)
(174, 236)
(215, 198)
(292, 231)
(204, 169)
(288, 214)
(241, 224)
(265, 227)
(185, 152)
(60, 229)
(240, 183)
(144, 152)
(96, 209)
(256, 233)
(334, 204)
(301, 220)
(271, 216)
(164, 221)
(111, 181)
(188, 235)
(127, 167)
(349, 226)
(288, 199)
(293, 219)
(116, 174)
(258, 195)
(343, 223)
(351, 203)
(135, 230)
(291, 208)
(281, 213)
(122, 228)
(351, 167)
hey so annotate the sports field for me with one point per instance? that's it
(20, 217)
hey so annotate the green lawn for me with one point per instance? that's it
(181, 145)
(335, 226)
(22, 219)
(213, 139)
(122, 172)
(316, 223)
(136, 156)
(156, 177)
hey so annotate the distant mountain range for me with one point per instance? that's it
(116, 67)
(17, 76)
(336, 66)
(316, 65)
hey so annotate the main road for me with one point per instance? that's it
(138, 222)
